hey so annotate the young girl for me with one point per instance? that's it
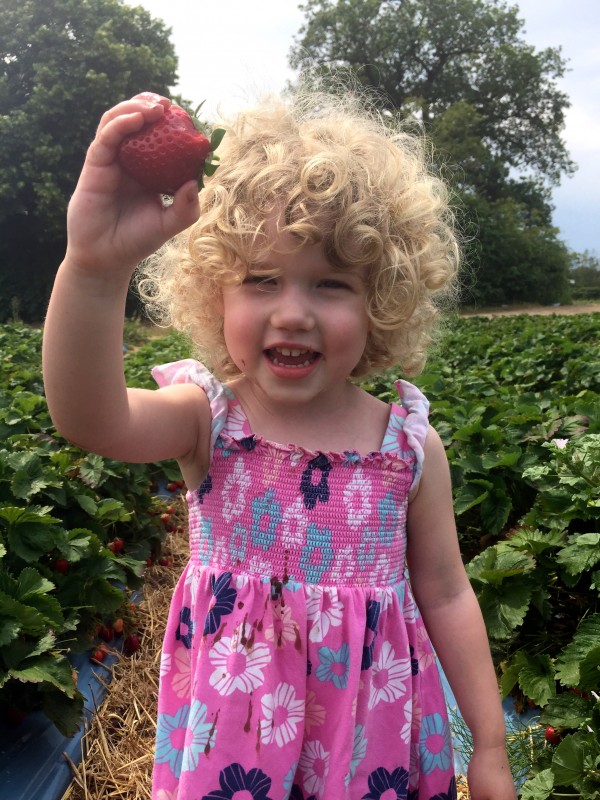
(298, 660)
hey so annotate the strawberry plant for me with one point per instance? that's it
(75, 533)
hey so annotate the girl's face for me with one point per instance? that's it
(297, 335)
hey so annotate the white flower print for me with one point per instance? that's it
(163, 794)
(235, 488)
(357, 499)
(237, 667)
(314, 714)
(181, 681)
(165, 663)
(282, 714)
(424, 648)
(237, 425)
(344, 566)
(406, 728)
(314, 765)
(283, 629)
(323, 609)
(294, 524)
(389, 677)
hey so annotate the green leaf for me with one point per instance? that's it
(536, 541)
(9, 628)
(48, 668)
(210, 168)
(65, 712)
(470, 495)
(216, 138)
(539, 787)
(565, 711)
(495, 510)
(536, 679)
(112, 510)
(582, 553)
(585, 643)
(87, 503)
(504, 607)
(568, 761)
(30, 582)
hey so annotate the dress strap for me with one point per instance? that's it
(408, 427)
(188, 370)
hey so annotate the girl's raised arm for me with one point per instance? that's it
(112, 224)
(455, 624)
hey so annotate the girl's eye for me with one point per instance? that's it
(332, 283)
(263, 282)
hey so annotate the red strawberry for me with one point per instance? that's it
(61, 565)
(131, 645)
(165, 154)
(118, 626)
(116, 545)
(99, 654)
(552, 735)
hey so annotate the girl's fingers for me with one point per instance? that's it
(146, 102)
(183, 211)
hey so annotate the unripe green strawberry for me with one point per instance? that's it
(165, 154)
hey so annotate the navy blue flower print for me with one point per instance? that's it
(450, 794)
(234, 779)
(414, 662)
(204, 488)
(297, 794)
(248, 443)
(373, 610)
(224, 601)
(185, 619)
(319, 492)
(380, 781)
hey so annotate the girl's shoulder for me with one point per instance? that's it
(188, 370)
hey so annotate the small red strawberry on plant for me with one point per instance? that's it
(131, 644)
(61, 565)
(163, 155)
(552, 735)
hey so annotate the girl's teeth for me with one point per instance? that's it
(285, 352)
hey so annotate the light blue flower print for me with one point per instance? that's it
(394, 429)
(200, 733)
(359, 751)
(334, 666)
(181, 737)
(289, 779)
(435, 750)
(238, 543)
(388, 519)
(366, 549)
(265, 506)
(206, 541)
(318, 545)
(351, 457)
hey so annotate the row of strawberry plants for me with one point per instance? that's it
(76, 534)
(517, 402)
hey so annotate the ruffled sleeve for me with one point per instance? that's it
(416, 423)
(190, 371)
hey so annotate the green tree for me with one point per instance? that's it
(62, 63)
(486, 98)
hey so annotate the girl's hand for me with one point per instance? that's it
(112, 222)
(489, 775)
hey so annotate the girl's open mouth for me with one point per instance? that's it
(292, 358)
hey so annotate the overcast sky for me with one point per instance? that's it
(233, 49)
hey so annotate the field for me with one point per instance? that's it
(516, 400)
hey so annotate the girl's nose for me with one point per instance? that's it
(292, 310)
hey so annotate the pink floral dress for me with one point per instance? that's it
(295, 663)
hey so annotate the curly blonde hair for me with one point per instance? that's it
(346, 177)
